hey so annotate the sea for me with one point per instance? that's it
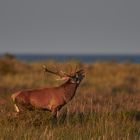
(87, 58)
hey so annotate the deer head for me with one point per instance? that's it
(77, 76)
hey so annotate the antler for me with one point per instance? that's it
(62, 74)
(53, 72)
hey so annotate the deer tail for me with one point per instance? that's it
(13, 96)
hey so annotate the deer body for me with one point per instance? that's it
(51, 99)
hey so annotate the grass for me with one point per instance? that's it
(106, 105)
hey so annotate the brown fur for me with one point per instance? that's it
(51, 99)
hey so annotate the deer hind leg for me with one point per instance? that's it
(13, 99)
(16, 108)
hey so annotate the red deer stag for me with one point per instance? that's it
(50, 99)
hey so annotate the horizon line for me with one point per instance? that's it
(20, 53)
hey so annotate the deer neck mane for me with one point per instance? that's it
(69, 90)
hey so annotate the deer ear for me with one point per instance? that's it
(44, 68)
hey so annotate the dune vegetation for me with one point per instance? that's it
(106, 105)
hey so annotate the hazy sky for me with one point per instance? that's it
(70, 26)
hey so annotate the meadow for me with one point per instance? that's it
(106, 105)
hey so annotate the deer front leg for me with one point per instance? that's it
(55, 112)
(54, 116)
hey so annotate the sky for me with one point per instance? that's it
(70, 26)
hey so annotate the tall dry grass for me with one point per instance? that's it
(106, 105)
